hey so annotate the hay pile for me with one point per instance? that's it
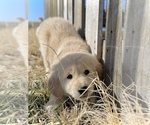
(80, 113)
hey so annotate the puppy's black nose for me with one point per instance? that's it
(82, 89)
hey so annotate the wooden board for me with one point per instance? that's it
(93, 29)
(60, 8)
(71, 11)
(65, 10)
(136, 46)
(113, 54)
(50, 8)
(79, 16)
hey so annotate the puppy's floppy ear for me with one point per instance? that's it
(54, 85)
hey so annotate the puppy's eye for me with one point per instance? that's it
(86, 72)
(69, 76)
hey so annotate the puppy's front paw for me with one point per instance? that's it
(49, 106)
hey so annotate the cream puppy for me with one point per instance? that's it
(20, 33)
(68, 59)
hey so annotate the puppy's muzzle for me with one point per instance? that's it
(82, 90)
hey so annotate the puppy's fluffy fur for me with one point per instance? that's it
(68, 59)
(20, 33)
